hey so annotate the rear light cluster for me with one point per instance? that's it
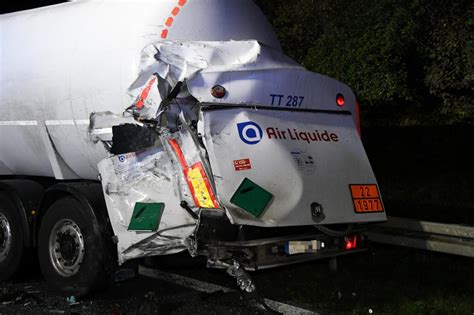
(352, 242)
(358, 117)
(340, 100)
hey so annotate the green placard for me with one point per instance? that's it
(252, 198)
(146, 216)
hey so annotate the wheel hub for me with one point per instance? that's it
(5, 237)
(66, 248)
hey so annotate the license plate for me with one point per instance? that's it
(366, 198)
(302, 247)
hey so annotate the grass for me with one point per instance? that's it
(387, 280)
(424, 172)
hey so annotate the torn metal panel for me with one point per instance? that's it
(168, 65)
(133, 138)
(146, 177)
(231, 151)
(193, 172)
(176, 61)
(244, 282)
(101, 124)
(175, 177)
(149, 95)
(251, 73)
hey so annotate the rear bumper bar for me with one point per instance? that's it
(277, 251)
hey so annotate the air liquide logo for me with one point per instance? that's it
(250, 132)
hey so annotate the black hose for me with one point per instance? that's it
(188, 209)
(335, 233)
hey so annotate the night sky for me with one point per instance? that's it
(12, 6)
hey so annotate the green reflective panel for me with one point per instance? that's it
(252, 198)
(146, 216)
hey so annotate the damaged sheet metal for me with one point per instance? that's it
(166, 63)
(264, 167)
(146, 177)
(160, 179)
(252, 74)
(193, 169)
(100, 127)
(175, 172)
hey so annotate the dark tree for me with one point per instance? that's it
(409, 61)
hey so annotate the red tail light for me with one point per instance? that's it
(340, 100)
(357, 110)
(351, 242)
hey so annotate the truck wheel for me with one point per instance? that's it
(71, 252)
(11, 238)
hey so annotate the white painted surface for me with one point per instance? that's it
(295, 171)
(64, 62)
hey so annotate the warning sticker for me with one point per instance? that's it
(242, 165)
(305, 162)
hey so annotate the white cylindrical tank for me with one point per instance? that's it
(61, 63)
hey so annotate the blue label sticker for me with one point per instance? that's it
(121, 158)
(250, 132)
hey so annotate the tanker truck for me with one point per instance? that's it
(132, 129)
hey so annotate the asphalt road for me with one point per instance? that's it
(141, 294)
(385, 280)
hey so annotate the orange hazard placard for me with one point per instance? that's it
(366, 198)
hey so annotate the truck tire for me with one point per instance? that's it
(11, 238)
(72, 254)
